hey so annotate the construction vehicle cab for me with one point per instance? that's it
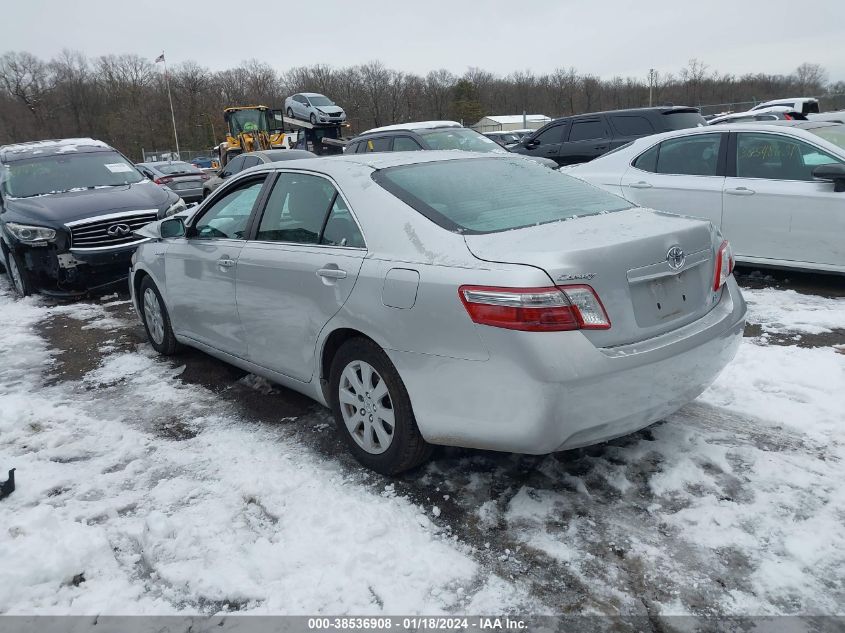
(250, 129)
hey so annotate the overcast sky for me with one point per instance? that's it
(603, 37)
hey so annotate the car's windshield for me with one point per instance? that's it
(488, 195)
(248, 121)
(832, 134)
(320, 101)
(70, 171)
(177, 167)
(458, 138)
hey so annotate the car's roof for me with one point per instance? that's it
(379, 160)
(655, 109)
(311, 94)
(32, 149)
(163, 162)
(412, 125)
(275, 155)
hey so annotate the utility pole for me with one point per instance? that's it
(160, 58)
(650, 86)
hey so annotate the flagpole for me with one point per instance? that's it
(170, 99)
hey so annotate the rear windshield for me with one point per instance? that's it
(832, 134)
(458, 138)
(681, 120)
(71, 171)
(177, 168)
(488, 195)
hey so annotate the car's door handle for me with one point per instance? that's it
(642, 184)
(225, 262)
(740, 191)
(331, 273)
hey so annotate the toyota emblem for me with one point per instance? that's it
(119, 230)
(676, 258)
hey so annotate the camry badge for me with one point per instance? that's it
(119, 230)
(676, 258)
(576, 276)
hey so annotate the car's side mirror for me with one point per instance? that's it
(833, 172)
(531, 142)
(172, 227)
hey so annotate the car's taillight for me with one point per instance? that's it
(163, 180)
(724, 265)
(547, 309)
(788, 117)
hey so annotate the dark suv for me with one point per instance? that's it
(69, 210)
(581, 138)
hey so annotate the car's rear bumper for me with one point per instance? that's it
(189, 195)
(542, 392)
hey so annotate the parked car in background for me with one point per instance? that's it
(776, 190)
(429, 297)
(182, 178)
(314, 107)
(251, 159)
(804, 105)
(578, 139)
(202, 162)
(504, 139)
(773, 113)
(68, 212)
(427, 135)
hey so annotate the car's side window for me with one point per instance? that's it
(233, 167)
(341, 229)
(690, 155)
(296, 209)
(250, 161)
(405, 144)
(228, 217)
(550, 135)
(632, 125)
(647, 161)
(380, 144)
(588, 130)
(776, 157)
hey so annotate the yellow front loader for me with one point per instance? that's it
(250, 129)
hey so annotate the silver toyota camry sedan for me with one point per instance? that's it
(446, 298)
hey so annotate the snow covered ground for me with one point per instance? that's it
(143, 488)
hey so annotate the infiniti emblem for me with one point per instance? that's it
(676, 257)
(119, 230)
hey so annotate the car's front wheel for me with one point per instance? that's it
(313, 118)
(18, 274)
(156, 319)
(372, 409)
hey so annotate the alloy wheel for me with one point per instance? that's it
(366, 407)
(153, 316)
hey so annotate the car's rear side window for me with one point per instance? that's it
(489, 195)
(380, 144)
(682, 119)
(632, 125)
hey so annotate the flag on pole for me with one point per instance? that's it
(160, 58)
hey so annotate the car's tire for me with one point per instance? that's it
(313, 119)
(156, 319)
(18, 274)
(373, 392)
(289, 113)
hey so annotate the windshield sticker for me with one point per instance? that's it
(118, 168)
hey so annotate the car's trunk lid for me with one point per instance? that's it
(623, 256)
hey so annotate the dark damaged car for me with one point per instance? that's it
(68, 212)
